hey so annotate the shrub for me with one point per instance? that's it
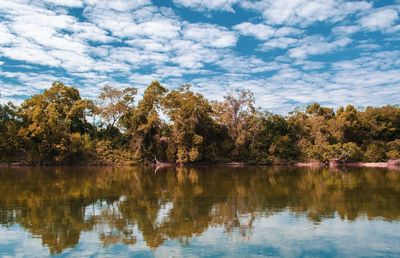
(375, 152)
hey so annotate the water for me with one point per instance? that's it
(199, 212)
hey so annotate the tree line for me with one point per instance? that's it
(58, 126)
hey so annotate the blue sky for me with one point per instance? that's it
(288, 52)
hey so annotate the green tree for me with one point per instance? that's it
(383, 123)
(193, 129)
(375, 152)
(49, 119)
(349, 126)
(274, 142)
(10, 142)
(58, 126)
(349, 151)
(144, 125)
(238, 114)
(115, 102)
(312, 128)
(393, 149)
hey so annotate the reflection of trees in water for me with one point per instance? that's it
(179, 203)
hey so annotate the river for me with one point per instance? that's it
(199, 212)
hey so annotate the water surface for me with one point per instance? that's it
(199, 212)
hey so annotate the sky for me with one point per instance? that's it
(289, 53)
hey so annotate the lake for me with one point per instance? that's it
(199, 212)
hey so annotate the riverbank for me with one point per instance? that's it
(312, 164)
(389, 164)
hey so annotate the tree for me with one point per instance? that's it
(344, 152)
(58, 126)
(193, 128)
(393, 149)
(375, 152)
(383, 123)
(115, 103)
(349, 126)
(315, 109)
(312, 130)
(144, 124)
(237, 112)
(10, 142)
(49, 119)
(274, 142)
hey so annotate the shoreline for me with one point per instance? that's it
(312, 164)
(334, 164)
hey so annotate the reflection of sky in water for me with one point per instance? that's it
(282, 234)
(192, 212)
(163, 212)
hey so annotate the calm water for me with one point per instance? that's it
(199, 212)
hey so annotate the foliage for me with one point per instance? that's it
(375, 152)
(115, 103)
(393, 148)
(49, 120)
(348, 151)
(273, 141)
(9, 137)
(59, 127)
(144, 125)
(193, 131)
(238, 114)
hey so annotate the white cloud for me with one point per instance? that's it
(46, 36)
(346, 29)
(379, 19)
(304, 12)
(159, 28)
(116, 5)
(259, 31)
(155, 36)
(130, 19)
(273, 38)
(245, 64)
(149, 44)
(194, 56)
(23, 50)
(210, 35)
(68, 3)
(276, 43)
(141, 42)
(6, 37)
(188, 61)
(85, 31)
(133, 23)
(134, 57)
(41, 36)
(287, 31)
(314, 45)
(208, 5)
(302, 82)
(394, 29)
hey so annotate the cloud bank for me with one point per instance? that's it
(289, 53)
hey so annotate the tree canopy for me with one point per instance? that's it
(58, 126)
